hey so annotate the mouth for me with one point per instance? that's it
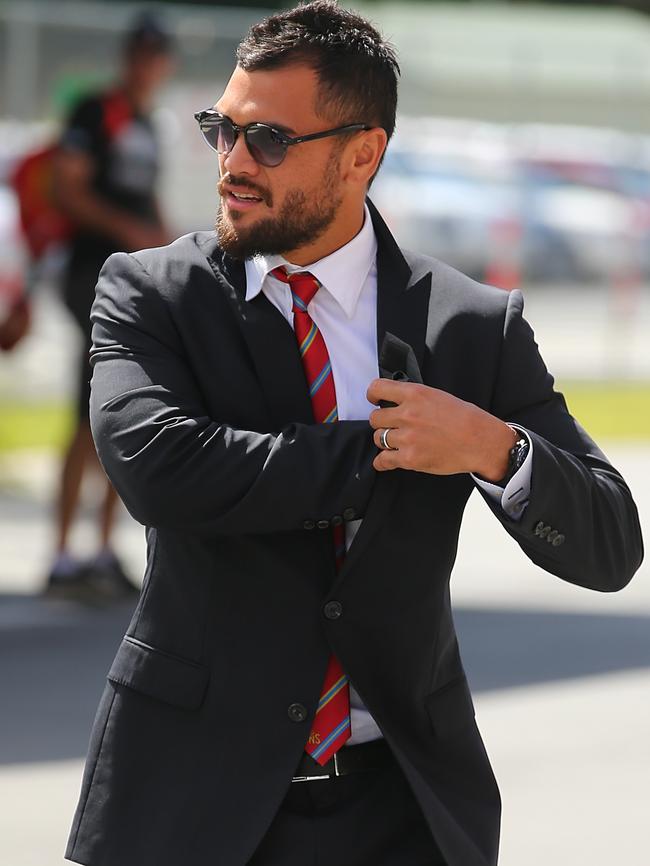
(241, 200)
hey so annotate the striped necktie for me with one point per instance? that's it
(331, 727)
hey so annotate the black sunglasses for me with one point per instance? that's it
(266, 144)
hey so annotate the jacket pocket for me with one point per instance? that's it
(159, 675)
(450, 707)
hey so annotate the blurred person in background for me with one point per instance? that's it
(104, 181)
(290, 689)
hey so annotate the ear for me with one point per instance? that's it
(364, 155)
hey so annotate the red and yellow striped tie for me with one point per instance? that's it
(331, 727)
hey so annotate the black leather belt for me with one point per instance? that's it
(349, 759)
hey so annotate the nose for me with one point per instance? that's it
(239, 161)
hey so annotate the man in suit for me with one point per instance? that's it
(290, 689)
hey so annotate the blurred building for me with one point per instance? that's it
(543, 63)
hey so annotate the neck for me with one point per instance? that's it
(345, 227)
(138, 97)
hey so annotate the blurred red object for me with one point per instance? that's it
(42, 223)
(504, 264)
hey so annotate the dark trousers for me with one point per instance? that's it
(364, 819)
(78, 296)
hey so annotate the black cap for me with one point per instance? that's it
(148, 34)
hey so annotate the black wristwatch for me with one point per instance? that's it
(516, 457)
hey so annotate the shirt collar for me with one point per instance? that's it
(343, 273)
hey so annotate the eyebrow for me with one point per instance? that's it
(286, 129)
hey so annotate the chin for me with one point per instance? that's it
(238, 217)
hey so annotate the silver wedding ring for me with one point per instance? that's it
(383, 439)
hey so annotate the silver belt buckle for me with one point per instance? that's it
(319, 778)
(309, 778)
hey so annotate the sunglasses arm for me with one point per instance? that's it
(352, 127)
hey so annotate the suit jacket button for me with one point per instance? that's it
(337, 520)
(349, 513)
(558, 540)
(308, 524)
(297, 712)
(333, 609)
(323, 524)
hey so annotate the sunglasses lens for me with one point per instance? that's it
(265, 146)
(225, 135)
(219, 134)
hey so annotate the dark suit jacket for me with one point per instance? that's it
(202, 420)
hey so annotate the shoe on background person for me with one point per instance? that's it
(107, 572)
(99, 581)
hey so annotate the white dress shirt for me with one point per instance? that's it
(345, 311)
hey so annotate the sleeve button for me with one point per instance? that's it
(308, 524)
(558, 540)
(349, 513)
(337, 520)
(297, 712)
(553, 534)
(323, 524)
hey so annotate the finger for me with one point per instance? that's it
(385, 418)
(387, 389)
(393, 436)
(387, 460)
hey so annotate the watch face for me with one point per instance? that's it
(522, 451)
(518, 454)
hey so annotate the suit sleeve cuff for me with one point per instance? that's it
(513, 499)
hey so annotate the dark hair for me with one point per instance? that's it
(356, 68)
(148, 35)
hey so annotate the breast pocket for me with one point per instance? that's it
(159, 675)
(450, 708)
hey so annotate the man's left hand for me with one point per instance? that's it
(435, 432)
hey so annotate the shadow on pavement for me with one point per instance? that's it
(509, 648)
(54, 657)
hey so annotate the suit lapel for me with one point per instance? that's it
(271, 343)
(403, 292)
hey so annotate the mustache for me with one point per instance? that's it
(243, 184)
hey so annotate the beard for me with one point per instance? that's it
(303, 218)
